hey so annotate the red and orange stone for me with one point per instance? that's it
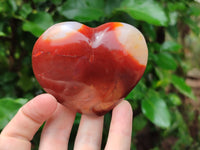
(89, 70)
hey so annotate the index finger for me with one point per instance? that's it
(21, 129)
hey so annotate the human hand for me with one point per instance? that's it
(59, 120)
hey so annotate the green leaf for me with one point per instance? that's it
(137, 92)
(139, 122)
(7, 77)
(161, 83)
(164, 79)
(111, 5)
(25, 10)
(12, 5)
(2, 33)
(173, 16)
(33, 28)
(170, 46)
(77, 118)
(182, 87)
(156, 110)
(25, 83)
(8, 108)
(56, 2)
(166, 61)
(83, 11)
(193, 25)
(180, 6)
(38, 23)
(39, 1)
(145, 10)
(183, 132)
(194, 9)
(162, 73)
(150, 31)
(174, 99)
(21, 100)
(8, 7)
(2, 24)
(153, 46)
(173, 31)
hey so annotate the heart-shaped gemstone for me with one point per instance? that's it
(89, 69)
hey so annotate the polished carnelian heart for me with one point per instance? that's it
(89, 69)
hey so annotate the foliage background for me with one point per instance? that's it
(160, 113)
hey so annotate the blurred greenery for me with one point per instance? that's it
(157, 100)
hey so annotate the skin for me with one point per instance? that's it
(59, 120)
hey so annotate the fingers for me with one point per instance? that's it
(56, 132)
(89, 133)
(90, 130)
(21, 129)
(119, 137)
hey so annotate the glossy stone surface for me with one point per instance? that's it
(89, 69)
